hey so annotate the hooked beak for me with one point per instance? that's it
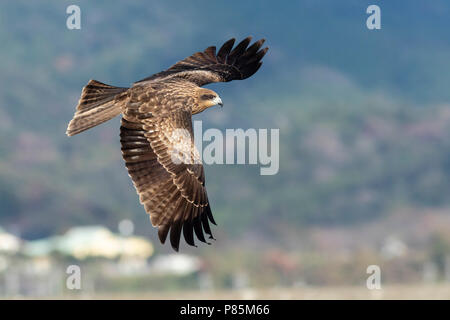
(218, 101)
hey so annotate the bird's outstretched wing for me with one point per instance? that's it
(225, 65)
(167, 172)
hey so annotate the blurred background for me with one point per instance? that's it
(364, 119)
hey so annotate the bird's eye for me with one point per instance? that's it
(207, 97)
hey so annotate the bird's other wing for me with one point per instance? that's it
(167, 172)
(227, 64)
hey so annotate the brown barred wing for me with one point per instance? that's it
(172, 192)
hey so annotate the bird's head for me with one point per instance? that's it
(207, 98)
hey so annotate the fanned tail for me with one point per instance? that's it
(99, 102)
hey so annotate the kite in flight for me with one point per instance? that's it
(166, 168)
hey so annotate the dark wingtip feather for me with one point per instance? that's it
(163, 230)
(246, 59)
(175, 235)
(188, 232)
(211, 52)
(264, 51)
(225, 50)
(251, 69)
(257, 56)
(253, 48)
(209, 214)
(198, 229)
(205, 224)
(238, 51)
(226, 65)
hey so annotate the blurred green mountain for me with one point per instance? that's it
(364, 116)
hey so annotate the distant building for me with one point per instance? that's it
(9, 243)
(175, 264)
(393, 248)
(91, 241)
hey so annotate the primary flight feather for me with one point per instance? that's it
(165, 166)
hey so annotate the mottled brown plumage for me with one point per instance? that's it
(157, 137)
